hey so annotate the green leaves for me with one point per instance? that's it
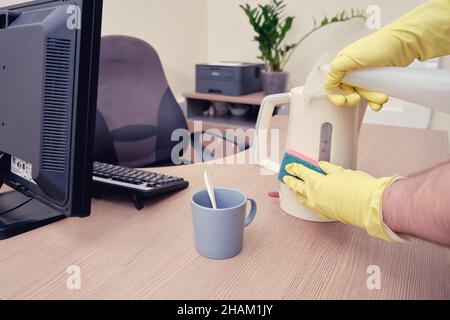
(344, 16)
(271, 28)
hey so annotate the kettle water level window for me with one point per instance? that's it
(326, 137)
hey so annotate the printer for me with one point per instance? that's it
(229, 78)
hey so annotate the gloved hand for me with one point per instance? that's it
(351, 197)
(420, 34)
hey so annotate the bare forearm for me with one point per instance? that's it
(420, 205)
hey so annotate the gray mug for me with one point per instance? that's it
(219, 234)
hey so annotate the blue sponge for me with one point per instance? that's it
(293, 156)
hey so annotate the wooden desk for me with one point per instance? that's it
(151, 255)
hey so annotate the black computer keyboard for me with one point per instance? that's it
(139, 184)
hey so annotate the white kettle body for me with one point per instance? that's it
(317, 129)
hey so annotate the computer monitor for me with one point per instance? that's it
(49, 55)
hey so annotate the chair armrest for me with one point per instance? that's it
(204, 153)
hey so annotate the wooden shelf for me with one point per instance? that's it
(228, 121)
(254, 99)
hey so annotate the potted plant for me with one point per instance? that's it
(271, 27)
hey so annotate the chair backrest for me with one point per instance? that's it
(137, 111)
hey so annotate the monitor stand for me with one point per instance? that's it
(20, 214)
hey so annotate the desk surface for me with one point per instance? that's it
(125, 254)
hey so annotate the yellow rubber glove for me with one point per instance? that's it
(422, 34)
(351, 197)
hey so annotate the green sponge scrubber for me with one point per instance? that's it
(293, 156)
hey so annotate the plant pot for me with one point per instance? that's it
(275, 82)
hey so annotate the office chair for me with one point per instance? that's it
(137, 111)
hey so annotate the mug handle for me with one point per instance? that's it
(251, 216)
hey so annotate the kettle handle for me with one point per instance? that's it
(262, 130)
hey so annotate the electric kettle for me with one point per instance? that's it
(317, 129)
(324, 132)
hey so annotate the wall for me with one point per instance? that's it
(230, 35)
(176, 28)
